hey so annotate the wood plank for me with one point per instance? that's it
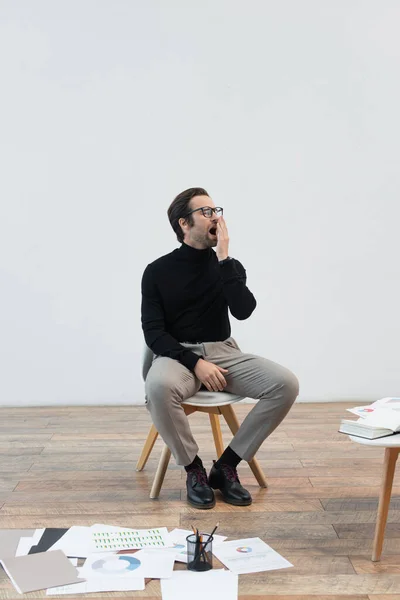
(246, 596)
(11, 450)
(388, 564)
(362, 530)
(135, 520)
(338, 547)
(358, 504)
(310, 584)
(90, 496)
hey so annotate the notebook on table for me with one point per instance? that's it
(366, 430)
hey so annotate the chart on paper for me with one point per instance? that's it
(128, 539)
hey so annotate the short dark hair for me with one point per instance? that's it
(179, 208)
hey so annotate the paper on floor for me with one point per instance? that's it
(107, 584)
(211, 585)
(109, 538)
(26, 543)
(82, 541)
(154, 565)
(75, 542)
(250, 555)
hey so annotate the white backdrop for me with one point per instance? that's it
(286, 111)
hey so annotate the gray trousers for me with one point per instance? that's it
(169, 383)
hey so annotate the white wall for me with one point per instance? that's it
(286, 111)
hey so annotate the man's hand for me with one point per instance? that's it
(222, 248)
(210, 375)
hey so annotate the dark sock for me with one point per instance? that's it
(228, 457)
(197, 462)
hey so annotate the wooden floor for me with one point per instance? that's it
(76, 466)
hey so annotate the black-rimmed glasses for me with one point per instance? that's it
(207, 211)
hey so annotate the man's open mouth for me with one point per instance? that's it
(213, 230)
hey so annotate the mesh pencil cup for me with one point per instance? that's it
(199, 552)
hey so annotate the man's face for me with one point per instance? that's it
(203, 233)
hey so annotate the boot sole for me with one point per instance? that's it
(235, 502)
(200, 506)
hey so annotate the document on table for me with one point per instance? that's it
(179, 543)
(250, 555)
(199, 586)
(142, 564)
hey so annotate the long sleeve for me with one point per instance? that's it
(240, 300)
(153, 325)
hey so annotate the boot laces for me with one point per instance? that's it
(199, 474)
(230, 472)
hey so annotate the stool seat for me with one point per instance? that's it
(206, 398)
(391, 443)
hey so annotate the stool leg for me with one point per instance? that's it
(160, 473)
(217, 434)
(258, 473)
(391, 455)
(147, 448)
(233, 423)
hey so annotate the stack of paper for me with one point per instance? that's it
(377, 407)
(379, 419)
(120, 559)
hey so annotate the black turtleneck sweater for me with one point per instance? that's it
(185, 298)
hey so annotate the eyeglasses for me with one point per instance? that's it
(207, 211)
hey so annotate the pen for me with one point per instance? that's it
(209, 540)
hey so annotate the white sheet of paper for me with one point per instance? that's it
(391, 402)
(250, 555)
(26, 543)
(154, 565)
(108, 538)
(370, 409)
(200, 586)
(383, 417)
(179, 543)
(76, 542)
(107, 584)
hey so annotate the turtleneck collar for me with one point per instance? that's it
(194, 254)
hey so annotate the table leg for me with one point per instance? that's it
(391, 455)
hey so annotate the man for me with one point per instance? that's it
(186, 295)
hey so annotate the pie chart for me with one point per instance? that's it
(244, 549)
(116, 564)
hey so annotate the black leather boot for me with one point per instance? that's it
(199, 493)
(226, 480)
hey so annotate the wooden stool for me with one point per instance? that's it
(391, 444)
(214, 404)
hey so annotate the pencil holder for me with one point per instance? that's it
(199, 552)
